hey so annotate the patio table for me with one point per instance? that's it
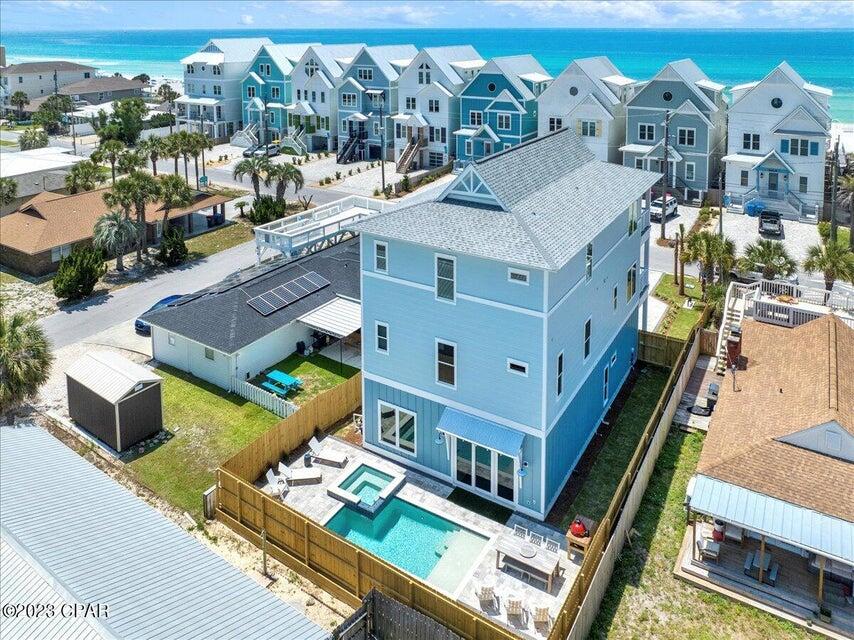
(528, 557)
(283, 378)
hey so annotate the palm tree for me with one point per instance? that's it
(771, 255)
(186, 145)
(8, 191)
(172, 149)
(283, 175)
(833, 260)
(120, 196)
(194, 146)
(845, 199)
(114, 233)
(25, 359)
(130, 161)
(709, 250)
(174, 194)
(109, 151)
(144, 189)
(152, 148)
(168, 95)
(83, 176)
(204, 144)
(20, 100)
(257, 168)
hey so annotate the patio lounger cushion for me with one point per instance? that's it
(269, 386)
(308, 475)
(325, 454)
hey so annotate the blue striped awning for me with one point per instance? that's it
(817, 532)
(483, 432)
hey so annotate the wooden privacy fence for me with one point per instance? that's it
(659, 349)
(262, 398)
(384, 617)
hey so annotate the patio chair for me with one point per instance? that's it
(772, 575)
(514, 607)
(535, 539)
(552, 545)
(519, 531)
(486, 596)
(277, 486)
(307, 475)
(325, 454)
(542, 615)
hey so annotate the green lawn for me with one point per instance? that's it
(644, 600)
(317, 373)
(612, 461)
(208, 426)
(678, 321)
(218, 240)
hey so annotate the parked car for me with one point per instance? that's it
(656, 208)
(771, 222)
(250, 151)
(269, 150)
(141, 326)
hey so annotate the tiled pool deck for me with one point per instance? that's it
(429, 493)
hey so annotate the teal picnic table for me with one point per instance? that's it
(287, 381)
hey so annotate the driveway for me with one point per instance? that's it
(797, 236)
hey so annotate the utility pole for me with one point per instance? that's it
(721, 204)
(67, 115)
(681, 259)
(666, 172)
(382, 140)
(676, 259)
(834, 173)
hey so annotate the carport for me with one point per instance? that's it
(339, 318)
(114, 399)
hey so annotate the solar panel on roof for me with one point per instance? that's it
(316, 279)
(285, 294)
(288, 293)
(262, 307)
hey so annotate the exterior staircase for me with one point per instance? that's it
(246, 137)
(404, 165)
(348, 150)
(295, 140)
(736, 306)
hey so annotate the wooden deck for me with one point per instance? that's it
(794, 598)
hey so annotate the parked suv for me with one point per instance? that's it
(250, 151)
(771, 223)
(269, 150)
(670, 210)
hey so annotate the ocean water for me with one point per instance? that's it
(823, 57)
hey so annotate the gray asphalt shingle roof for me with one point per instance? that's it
(557, 196)
(101, 544)
(219, 317)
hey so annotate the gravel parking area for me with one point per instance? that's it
(797, 236)
(685, 214)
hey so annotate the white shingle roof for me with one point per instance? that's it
(449, 59)
(287, 55)
(109, 374)
(513, 68)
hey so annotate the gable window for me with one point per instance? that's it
(382, 337)
(588, 128)
(424, 73)
(397, 427)
(745, 175)
(559, 378)
(311, 67)
(491, 87)
(365, 74)
(667, 96)
(446, 288)
(646, 132)
(750, 141)
(588, 328)
(433, 106)
(588, 262)
(446, 363)
(503, 121)
(410, 102)
(690, 167)
(380, 257)
(614, 301)
(348, 99)
(209, 353)
(476, 118)
(631, 281)
(555, 123)
(518, 276)
(686, 137)
(250, 92)
(518, 367)
(802, 184)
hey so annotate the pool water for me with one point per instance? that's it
(366, 482)
(414, 539)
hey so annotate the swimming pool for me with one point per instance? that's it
(414, 539)
(366, 482)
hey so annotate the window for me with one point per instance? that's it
(344, 127)
(397, 427)
(311, 67)
(667, 96)
(587, 330)
(633, 217)
(365, 74)
(797, 146)
(559, 378)
(614, 301)
(87, 75)
(573, 91)
(487, 148)
(410, 102)
(299, 94)
(348, 99)
(432, 106)
(750, 141)
(588, 128)
(382, 337)
(217, 90)
(446, 363)
(250, 92)
(322, 97)
(507, 145)
(802, 184)
(631, 281)
(588, 262)
(446, 278)
(468, 148)
(518, 367)
(776, 103)
(476, 118)
(605, 375)
(171, 340)
(491, 87)
(209, 353)
(555, 124)
(381, 257)
(517, 275)
(314, 96)
(435, 159)
(744, 177)
(503, 121)
(638, 163)
(275, 92)
(646, 132)
(217, 70)
(686, 137)
(690, 168)
(613, 359)
(424, 73)
(376, 128)
(189, 70)
(58, 253)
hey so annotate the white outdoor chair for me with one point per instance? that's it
(276, 484)
(519, 531)
(325, 454)
(307, 475)
(535, 539)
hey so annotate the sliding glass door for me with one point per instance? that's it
(484, 469)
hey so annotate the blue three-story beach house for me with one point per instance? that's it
(498, 108)
(500, 320)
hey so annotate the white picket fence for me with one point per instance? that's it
(262, 398)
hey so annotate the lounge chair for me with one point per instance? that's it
(486, 596)
(519, 531)
(325, 454)
(276, 485)
(301, 475)
(535, 539)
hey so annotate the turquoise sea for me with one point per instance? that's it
(823, 57)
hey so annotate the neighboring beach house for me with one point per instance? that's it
(779, 129)
(212, 86)
(366, 98)
(266, 91)
(589, 96)
(500, 320)
(428, 105)
(94, 91)
(697, 139)
(313, 113)
(498, 108)
(36, 79)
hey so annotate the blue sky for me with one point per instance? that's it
(84, 15)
